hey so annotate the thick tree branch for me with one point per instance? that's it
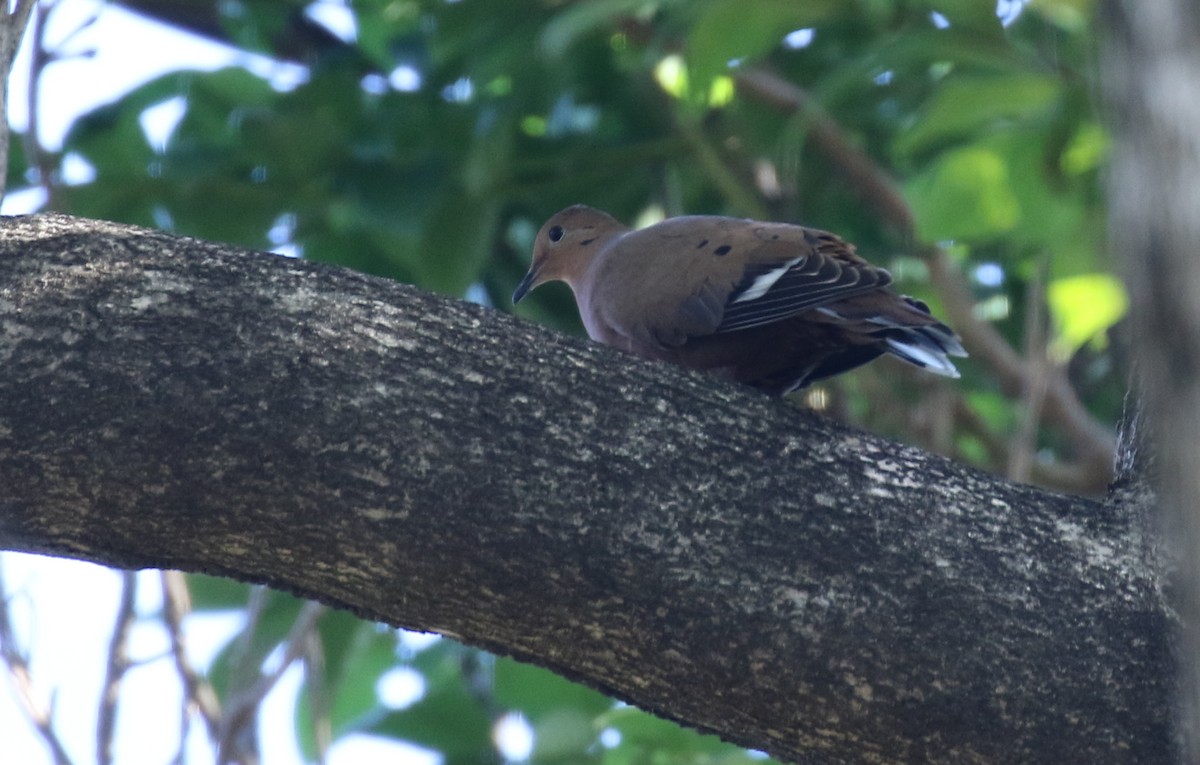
(712, 555)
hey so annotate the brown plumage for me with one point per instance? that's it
(772, 305)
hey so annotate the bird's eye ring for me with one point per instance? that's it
(555, 233)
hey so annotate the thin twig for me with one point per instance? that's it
(12, 28)
(244, 664)
(857, 167)
(118, 664)
(241, 709)
(198, 694)
(318, 698)
(1079, 478)
(34, 153)
(40, 715)
(1092, 442)
(1024, 441)
(45, 162)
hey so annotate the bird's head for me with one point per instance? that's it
(566, 245)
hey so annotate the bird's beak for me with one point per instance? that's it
(525, 285)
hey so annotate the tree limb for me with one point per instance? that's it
(712, 555)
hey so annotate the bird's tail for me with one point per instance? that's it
(928, 346)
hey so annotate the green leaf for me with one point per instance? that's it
(1087, 150)
(563, 714)
(1051, 208)
(18, 163)
(381, 23)
(457, 236)
(964, 195)
(449, 722)
(579, 19)
(969, 13)
(964, 103)
(1083, 307)
(746, 29)
(537, 692)
(216, 593)
(645, 738)
(1070, 15)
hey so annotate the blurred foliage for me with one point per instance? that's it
(462, 698)
(431, 145)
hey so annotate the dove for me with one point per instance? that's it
(776, 306)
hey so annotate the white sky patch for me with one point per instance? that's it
(159, 121)
(513, 736)
(417, 641)
(23, 201)
(939, 21)
(336, 17)
(282, 235)
(95, 64)
(356, 749)
(400, 687)
(989, 274)
(1009, 10)
(374, 83)
(460, 91)
(405, 79)
(476, 293)
(92, 71)
(800, 38)
(76, 170)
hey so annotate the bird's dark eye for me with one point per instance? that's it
(555, 233)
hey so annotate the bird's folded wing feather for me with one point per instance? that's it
(717, 275)
(779, 279)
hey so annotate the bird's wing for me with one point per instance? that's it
(785, 277)
(695, 276)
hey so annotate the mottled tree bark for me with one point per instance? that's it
(715, 556)
(1152, 67)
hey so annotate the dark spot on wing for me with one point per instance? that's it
(703, 244)
(722, 250)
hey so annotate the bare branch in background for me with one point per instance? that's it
(12, 28)
(40, 714)
(1024, 441)
(198, 694)
(118, 664)
(34, 153)
(241, 710)
(319, 701)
